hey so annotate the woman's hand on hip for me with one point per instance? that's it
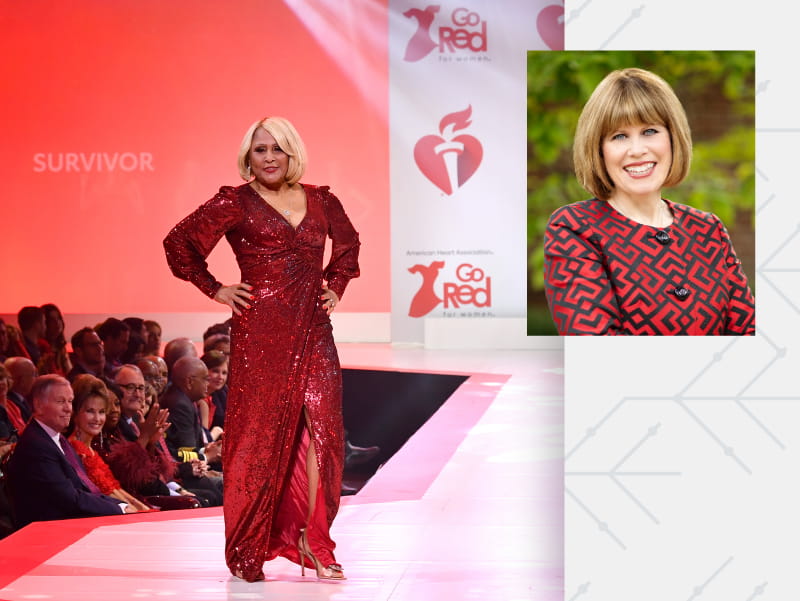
(236, 296)
(329, 299)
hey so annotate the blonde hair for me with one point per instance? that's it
(627, 97)
(287, 138)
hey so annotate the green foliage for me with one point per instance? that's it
(717, 89)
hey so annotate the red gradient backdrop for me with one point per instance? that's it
(142, 104)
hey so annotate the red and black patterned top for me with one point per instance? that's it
(608, 275)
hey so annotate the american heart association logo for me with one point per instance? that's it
(447, 160)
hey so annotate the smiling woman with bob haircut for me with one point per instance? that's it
(628, 261)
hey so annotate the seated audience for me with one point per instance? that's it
(54, 359)
(218, 328)
(23, 373)
(135, 350)
(212, 408)
(136, 325)
(45, 477)
(88, 418)
(218, 342)
(130, 381)
(136, 340)
(32, 327)
(153, 340)
(3, 340)
(177, 348)
(185, 434)
(115, 335)
(11, 422)
(14, 347)
(110, 434)
(151, 372)
(150, 399)
(160, 382)
(140, 469)
(185, 438)
(88, 355)
(8, 438)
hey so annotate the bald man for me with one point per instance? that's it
(177, 348)
(23, 372)
(185, 436)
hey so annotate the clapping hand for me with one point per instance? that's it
(154, 426)
(199, 468)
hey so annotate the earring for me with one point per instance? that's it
(249, 175)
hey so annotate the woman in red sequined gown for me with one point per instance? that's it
(284, 439)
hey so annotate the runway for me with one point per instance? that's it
(471, 507)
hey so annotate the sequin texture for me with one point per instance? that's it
(283, 359)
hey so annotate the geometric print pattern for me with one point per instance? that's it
(606, 274)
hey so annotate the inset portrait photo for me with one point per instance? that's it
(641, 193)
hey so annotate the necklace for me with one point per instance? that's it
(286, 212)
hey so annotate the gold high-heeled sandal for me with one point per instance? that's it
(332, 572)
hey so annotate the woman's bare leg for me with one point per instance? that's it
(332, 571)
(312, 470)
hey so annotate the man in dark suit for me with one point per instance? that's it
(45, 476)
(185, 434)
(130, 380)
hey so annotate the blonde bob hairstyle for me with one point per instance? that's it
(627, 97)
(287, 138)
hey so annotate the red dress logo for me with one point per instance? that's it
(472, 289)
(425, 300)
(449, 160)
(464, 34)
(421, 43)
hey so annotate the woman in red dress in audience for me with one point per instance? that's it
(89, 409)
(284, 437)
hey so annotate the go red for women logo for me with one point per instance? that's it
(463, 31)
(472, 288)
(449, 160)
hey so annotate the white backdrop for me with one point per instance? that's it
(457, 89)
(683, 454)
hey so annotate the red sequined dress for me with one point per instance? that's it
(283, 359)
(608, 275)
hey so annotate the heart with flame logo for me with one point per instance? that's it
(446, 160)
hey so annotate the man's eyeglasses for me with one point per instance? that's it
(133, 387)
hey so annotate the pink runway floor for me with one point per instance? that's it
(469, 508)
